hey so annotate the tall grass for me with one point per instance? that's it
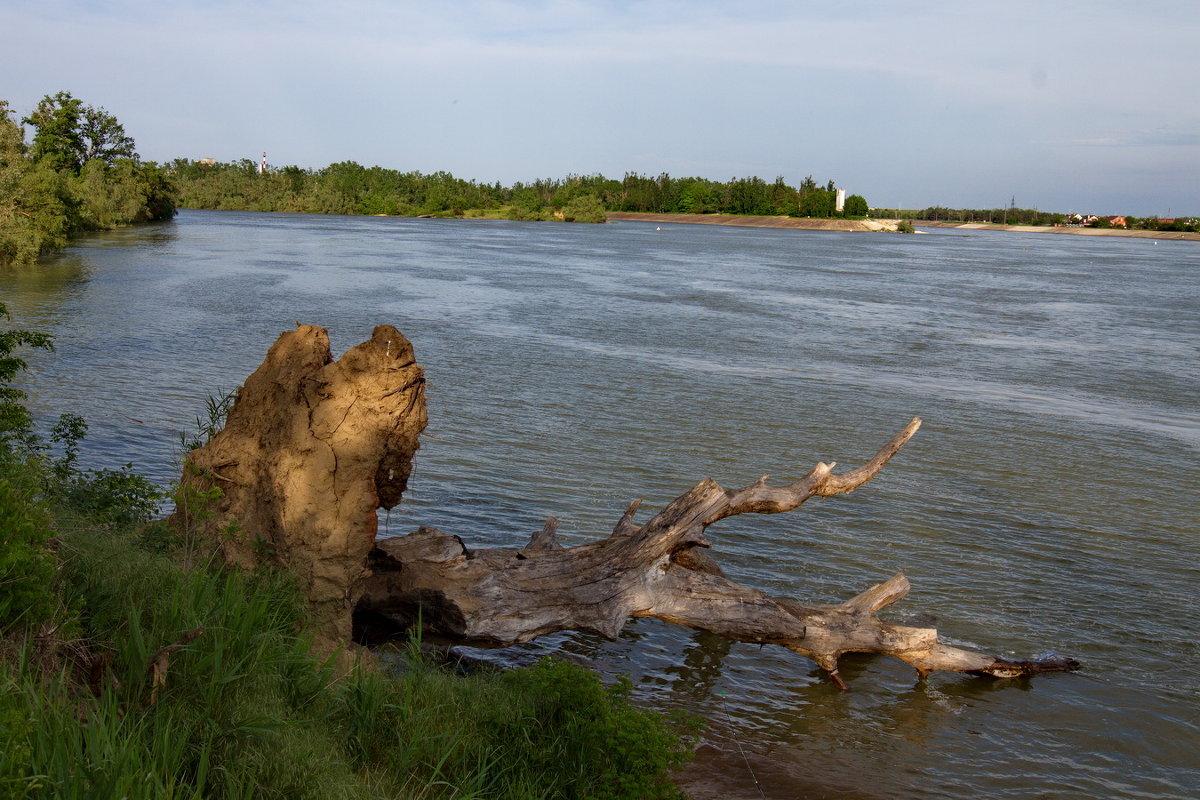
(191, 683)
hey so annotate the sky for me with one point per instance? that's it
(1090, 107)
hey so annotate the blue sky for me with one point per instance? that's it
(1066, 106)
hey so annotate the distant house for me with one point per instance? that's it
(1118, 222)
(207, 162)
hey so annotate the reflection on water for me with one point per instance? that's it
(1047, 502)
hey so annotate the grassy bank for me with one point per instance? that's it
(125, 673)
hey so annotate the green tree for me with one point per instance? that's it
(15, 422)
(585, 208)
(856, 206)
(815, 201)
(33, 216)
(104, 138)
(58, 142)
(70, 134)
(79, 173)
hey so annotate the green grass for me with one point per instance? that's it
(131, 668)
(242, 709)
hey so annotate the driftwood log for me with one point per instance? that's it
(654, 570)
(313, 447)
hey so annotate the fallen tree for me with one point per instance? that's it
(313, 494)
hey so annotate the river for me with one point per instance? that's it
(1049, 502)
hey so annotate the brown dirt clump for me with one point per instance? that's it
(311, 448)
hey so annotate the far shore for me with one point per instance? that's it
(1128, 234)
(798, 223)
(812, 223)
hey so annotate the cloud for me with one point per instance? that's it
(892, 96)
(1155, 138)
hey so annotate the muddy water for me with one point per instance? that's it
(1048, 503)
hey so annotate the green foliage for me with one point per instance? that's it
(111, 496)
(856, 206)
(905, 226)
(814, 200)
(597, 743)
(104, 138)
(70, 134)
(58, 142)
(997, 216)
(81, 173)
(33, 217)
(216, 410)
(586, 208)
(241, 709)
(26, 562)
(15, 423)
(349, 188)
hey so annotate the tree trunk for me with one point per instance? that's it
(502, 597)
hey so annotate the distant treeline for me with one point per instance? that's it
(80, 173)
(350, 188)
(999, 216)
(1032, 216)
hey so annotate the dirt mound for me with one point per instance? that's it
(311, 448)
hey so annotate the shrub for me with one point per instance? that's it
(585, 208)
(26, 563)
(597, 743)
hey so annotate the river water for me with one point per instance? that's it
(1048, 504)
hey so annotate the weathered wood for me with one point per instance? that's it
(655, 570)
(313, 447)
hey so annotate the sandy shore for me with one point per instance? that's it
(986, 226)
(803, 223)
(811, 224)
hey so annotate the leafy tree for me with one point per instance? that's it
(856, 206)
(815, 201)
(80, 173)
(32, 214)
(58, 142)
(104, 138)
(15, 423)
(70, 134)
(585, 208)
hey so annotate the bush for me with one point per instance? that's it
(113, 496)
(597, 743)
(26, 562)
(585, 208)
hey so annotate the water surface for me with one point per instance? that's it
(1047, 504)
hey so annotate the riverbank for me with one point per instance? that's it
(1122, 232)
(798, 223)
(875, 225)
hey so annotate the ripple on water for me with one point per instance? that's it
(1047, 502)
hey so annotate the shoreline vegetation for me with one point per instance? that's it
(131, 665)
(749, 221)
(878, 224)
(80, 173)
